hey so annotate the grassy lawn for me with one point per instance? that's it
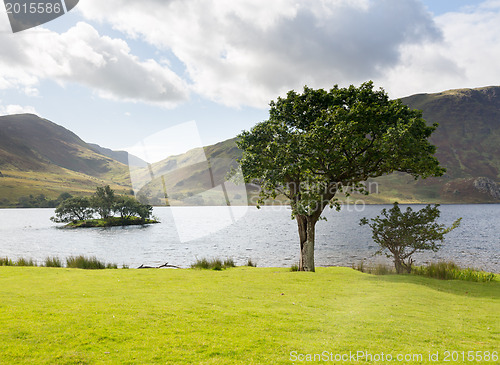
(238, 316)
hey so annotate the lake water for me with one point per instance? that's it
(267, 236)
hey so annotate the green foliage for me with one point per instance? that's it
(404, 233)
(213, 264)
(80, 211)
(73, 209)
(53, 262)
(25, 262)
(103, 201)
(250, 263)
(294, 268)
(451, 271)
(318, 143)
(82, 262)
(5, 261)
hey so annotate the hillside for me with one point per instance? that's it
(468, 145)
(467, 140)
(41, 157)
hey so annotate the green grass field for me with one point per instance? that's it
(240, 316)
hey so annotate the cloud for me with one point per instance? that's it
(467, 57)
(16, 109)
(81, 55)
(246, 52)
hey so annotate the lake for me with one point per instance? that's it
(267, 236)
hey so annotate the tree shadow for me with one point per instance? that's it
(457, 287)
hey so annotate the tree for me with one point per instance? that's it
(128, 207)
(73, 209)
(404, 234)
(318, 143)
(103, 201)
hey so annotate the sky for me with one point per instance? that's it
(177, 74)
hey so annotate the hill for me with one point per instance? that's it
(467, 140)
(41, 157)
(468, 146)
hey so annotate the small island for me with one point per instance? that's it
(103, 209)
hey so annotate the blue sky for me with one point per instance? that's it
(117, 72)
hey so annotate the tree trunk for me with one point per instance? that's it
(306, 225)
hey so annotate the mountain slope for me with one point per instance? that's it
(41, 157)
(468, 137)
(121, 156)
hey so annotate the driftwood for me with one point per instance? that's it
(158, 267)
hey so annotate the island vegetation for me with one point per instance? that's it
(103, 209)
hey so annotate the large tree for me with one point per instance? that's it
(318, 143)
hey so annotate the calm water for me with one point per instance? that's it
(267, 236)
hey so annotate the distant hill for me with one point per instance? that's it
(121, 156)
(38, 156)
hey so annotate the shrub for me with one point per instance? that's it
(229, 263)
(53, 262)
(5, 261)
(250, 263)
(25, 262)
(451, 271)
(82, 262)
(213, 264)
(295, 267)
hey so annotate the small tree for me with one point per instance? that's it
(73, 209)
(403, 234)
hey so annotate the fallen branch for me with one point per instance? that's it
(159, 267)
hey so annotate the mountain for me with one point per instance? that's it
(467, 140)
(38, 156)
(468, 144)
(121, 156)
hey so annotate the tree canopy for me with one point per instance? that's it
(320, 142)
(103, 203)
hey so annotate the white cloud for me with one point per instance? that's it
(248, 51)
(467, 57)
(16, 109)
(81, 55)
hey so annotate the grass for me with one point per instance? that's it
(87, 263)
(451, 271)
(53, 262)
(239, 316)
(378, 269)
(74, 262)
(213, 264)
